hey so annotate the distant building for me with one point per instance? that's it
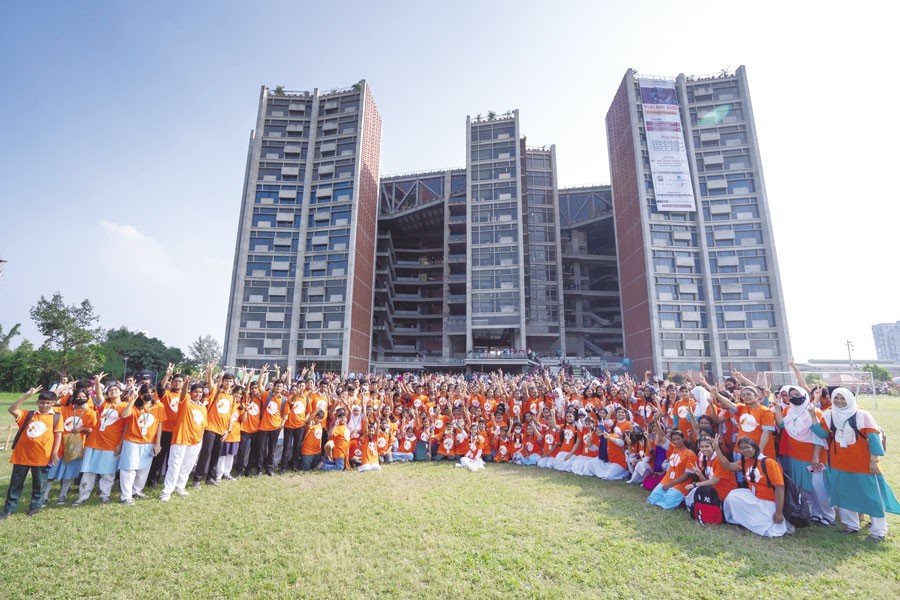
(887, 340)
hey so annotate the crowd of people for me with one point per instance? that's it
(736, 447)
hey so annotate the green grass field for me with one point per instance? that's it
(429, 530)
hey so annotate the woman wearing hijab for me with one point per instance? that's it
(802, 451)
(855, 482)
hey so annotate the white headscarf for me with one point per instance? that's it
(701, 395)
(843, 433)
(797, 421)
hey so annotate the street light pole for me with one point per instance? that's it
(849, 355)
(125, 372)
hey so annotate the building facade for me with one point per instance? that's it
(887, 341)
(302, 283)
(700, 286)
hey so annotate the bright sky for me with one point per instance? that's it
(125, 129)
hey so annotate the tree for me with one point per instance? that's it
(6, 338)
(68, 330)
(205, 350)
(142, 352)
(813, 379)
(491, 115)
(878, 372)
(279, 90)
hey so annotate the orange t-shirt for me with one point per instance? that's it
(713, 468)
(854, 458)
(170, 401)
(407, 444)
(751, 422)
(251, 416)
(756, 478)
(369, 449)
(296, 412)
(445, 448)
(502, 453)
(616, 453)
(568, 438)
(219, 411)
(340, 435)
(142, 424)
(36, 442)
(312, 441)
(462, 442)
(234, 434)
(108, 433)
(85, 417)
(272, 416)
(385, 441)
(679, 462)
(190, 424)
(796, 449)
(551, 443)
(532, 444)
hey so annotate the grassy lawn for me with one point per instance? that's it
(429, 530)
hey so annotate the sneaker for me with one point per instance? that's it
(4, 516)
(164, 497)
(128, 501)
(61, 501)
(875, 539)
(139, 495)
(196, 485)
(227, 477)
(77, 503)
(104, 500)
(211, 482)
(35, 511)
(184, 492)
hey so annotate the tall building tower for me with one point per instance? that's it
(302, 283)
(697, 264)
(887, 340)
(495, 267)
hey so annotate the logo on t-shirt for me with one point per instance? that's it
(253, 409)
(318, 434)
(748, 422)
(198, 416)
(223, 406)
(36, 428)
(145, 421)
(69, 425)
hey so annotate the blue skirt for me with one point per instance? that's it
(101, 462)
(861, 492)
(65, 470)
(135, 457)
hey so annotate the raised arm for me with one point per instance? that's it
(15, 406)
(800, 379)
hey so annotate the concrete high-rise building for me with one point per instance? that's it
(887, 340)
(699, 277)
(302, 284)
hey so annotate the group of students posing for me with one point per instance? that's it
(687, 444)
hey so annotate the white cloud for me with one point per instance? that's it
(122, 232)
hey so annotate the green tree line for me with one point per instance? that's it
(75, 346)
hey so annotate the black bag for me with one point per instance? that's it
(707, 508)
(797, 509)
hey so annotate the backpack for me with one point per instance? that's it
(707, 508)
(796, 509)
(28, 418)
(852, 423)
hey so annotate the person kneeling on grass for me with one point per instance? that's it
(368, 444)
(187, 438)
(670, 492)
(758, 507)
(337, 450)
(36, 449)
(472, 460)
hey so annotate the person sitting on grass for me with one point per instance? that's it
(36, 449)
(368, 443)
(337, 450)
(670, 492)
(472, 460)
(759, 506)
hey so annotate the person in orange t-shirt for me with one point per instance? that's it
(101, 452)
(758, 507)
(669, 493)
(168, 391)
(274, 408)
(248, 451)
(232, 441)
(710, 472)
(143, 432)
(338, 447)
(294, 432)
(219, 409)
(311, 450)
(368, 443)
(187, 437)
(37, 447)
(78, 419)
